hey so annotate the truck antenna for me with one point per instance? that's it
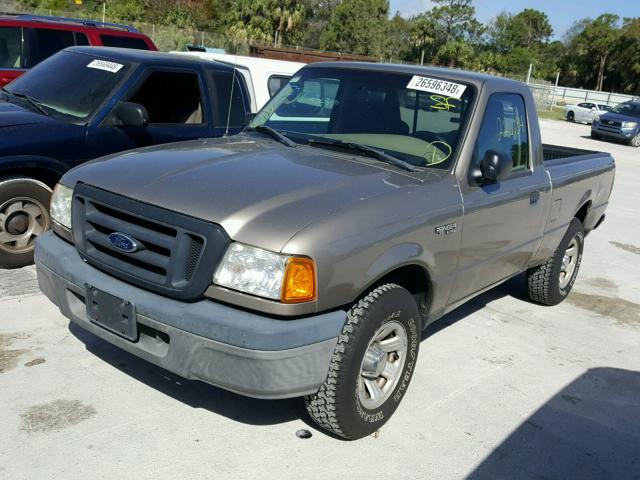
(233, 82)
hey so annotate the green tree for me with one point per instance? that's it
(357, 26)
(597, 40)
(286, 16)
(422, 28)
(457, 53)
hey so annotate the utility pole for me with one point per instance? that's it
(529, 73)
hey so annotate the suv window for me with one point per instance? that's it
(10, 47)
(171, 97)
(124, 42)
(220, 86)
(51, 41)
(275, 83)
(81, 39)
(504, 130)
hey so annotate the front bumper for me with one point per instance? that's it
(244, 352)
(614, 133)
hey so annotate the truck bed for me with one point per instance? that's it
(551, 153)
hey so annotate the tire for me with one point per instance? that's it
(571, 117)
(551, 282)
(595, 136)
(344, 405)
(24, 214)
(635, 141)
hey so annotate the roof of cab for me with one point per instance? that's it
(453, 74)
(146, 57)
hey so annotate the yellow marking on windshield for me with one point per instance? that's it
(442, 102)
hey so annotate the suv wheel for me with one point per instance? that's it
(24, 215)
(551, 282)
(372, 364)
(635, 141)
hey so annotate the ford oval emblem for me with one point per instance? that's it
(123, 242)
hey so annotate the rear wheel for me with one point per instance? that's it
(24, 215)
(571, 117)
(551, 282)
(372, 364)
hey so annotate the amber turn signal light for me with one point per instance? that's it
(299, 283)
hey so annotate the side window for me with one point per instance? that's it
(504, 130)
(220, 87)
(275, 83)
(10, 47)
(81, 39)
(171, 97)
(582, 105)
(51, 41)
(123, 42)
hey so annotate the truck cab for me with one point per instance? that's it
(108, 100)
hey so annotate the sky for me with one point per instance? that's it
(561, 13)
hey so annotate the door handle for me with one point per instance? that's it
(534, 197)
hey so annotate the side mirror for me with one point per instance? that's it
(493, 168)
(129, 114)
(594, 109)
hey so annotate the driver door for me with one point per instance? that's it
(175, 102)
(502, 221)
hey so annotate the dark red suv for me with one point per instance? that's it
(26, 40)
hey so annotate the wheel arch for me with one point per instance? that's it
(412, 276)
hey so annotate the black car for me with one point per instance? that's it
(84, 103)
(622, 124)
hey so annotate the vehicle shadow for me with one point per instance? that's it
(588, 430)
(194, 393)
(515, 287)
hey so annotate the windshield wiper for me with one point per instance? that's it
(273, 133)
(366, 150)
(30, 100)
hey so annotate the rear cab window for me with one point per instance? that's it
(504, 130)
(276, 82)
(228, 103)
(124, 42)
(11, 48)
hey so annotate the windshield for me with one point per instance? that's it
(70, 85)
(630, 109)
(416, 119)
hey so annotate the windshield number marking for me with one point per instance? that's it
(106, 66)
(433, 85)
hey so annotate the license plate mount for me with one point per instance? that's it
(112, 313)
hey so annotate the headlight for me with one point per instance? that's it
(266, 274)
(629, 124)
(61, 205)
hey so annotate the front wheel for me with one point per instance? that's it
(594, 135)
(571, 117)
(24, 215)
(372, 364)
(551, 282)
(635, 141)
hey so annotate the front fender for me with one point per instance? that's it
(49, 168)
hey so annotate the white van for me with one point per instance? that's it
(263, 76)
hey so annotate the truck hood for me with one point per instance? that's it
(616, 117)
(260, 191)
(12, 115)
